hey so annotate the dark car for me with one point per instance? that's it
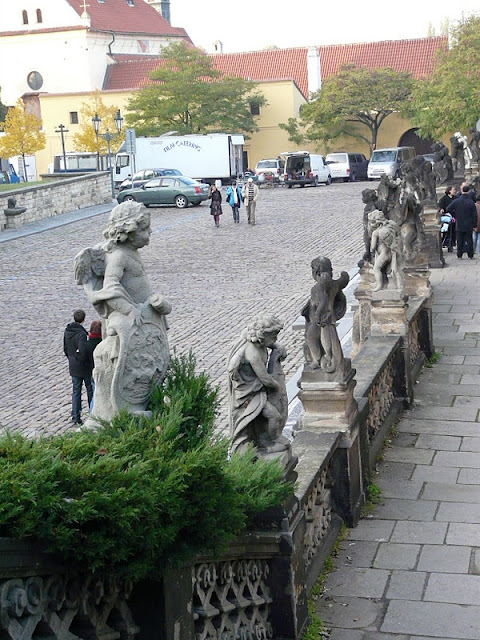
(143, 176)
(177, 190)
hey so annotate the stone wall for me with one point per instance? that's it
(53, 198)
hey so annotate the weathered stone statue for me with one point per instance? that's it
(411, 223)
(424, 177)
(134, 351)
(442, 167)
(474, 144)
(386, 248)
(370, 200)
(257, 396)
(327, 305)
(458, 157)
(389, 191)
(462, 147)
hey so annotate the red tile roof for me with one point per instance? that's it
(118, 16)
(416, 56)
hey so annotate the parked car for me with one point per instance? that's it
(389, 161)
(4, 177)
(177, 190)
(303, 167)
(347, 166)
(270, 170)
(141, 177)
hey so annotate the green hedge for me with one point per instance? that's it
(139, 494)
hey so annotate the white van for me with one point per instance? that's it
(303, 167)
(389, 162)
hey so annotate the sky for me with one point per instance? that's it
(249, 26)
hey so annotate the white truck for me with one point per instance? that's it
(208, 157)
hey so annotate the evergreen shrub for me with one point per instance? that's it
(139, 494)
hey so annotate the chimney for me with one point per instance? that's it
(165, 4)
(314, 70)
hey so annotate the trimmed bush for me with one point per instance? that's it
(139, 494)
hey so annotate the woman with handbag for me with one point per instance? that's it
(216, 204)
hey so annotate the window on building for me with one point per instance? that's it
(39, 15)
(254, 109)
(130, 3)
(25, 17)
(73, 117)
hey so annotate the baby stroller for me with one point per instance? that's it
(447, 231)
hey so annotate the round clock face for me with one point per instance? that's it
(34, 80)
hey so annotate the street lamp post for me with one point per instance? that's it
(108, 137)
(62, 130)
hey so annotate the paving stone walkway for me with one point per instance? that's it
(411, 569)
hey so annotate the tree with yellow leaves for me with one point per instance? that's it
(23, 134)
(86, 139)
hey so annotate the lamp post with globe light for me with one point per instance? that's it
(108, 137)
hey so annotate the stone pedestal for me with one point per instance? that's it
(389, 313)
(362, 309)
(13, 217)
(433, 235)
(417, 281)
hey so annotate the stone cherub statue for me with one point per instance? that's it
(327, 305)
(474, 144)
(385, 245)
(134, 351)
(257, 395)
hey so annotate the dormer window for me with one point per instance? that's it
(130, 3)
(39, 16)
(25, 17)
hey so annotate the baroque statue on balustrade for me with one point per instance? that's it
(386, 250)
(326, 306)
(442, 163)
(134, 351)
(257, 396)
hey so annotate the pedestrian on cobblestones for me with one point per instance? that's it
(250, 195)
(216, 204)
(93, 340)
(464, 211)
(234, 199)
(74, 339)
(476, 230)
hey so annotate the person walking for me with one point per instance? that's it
(464, 211)
(74, 338)
(86, 352)
(216, 204)
(443, 203)
(250, 195)
(476, 230)
(234, 199)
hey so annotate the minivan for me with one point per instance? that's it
(389, 161)
(347, 166)
(303, 167)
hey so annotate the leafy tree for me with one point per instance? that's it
(23, 135)
(86, 139)
(187, 94)
(355, 102)
(450, 99)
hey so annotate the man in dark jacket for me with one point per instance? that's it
(74, 339)
(464, 211)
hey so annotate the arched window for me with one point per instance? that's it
(39, 15)
(25, 17)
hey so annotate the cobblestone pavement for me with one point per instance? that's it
(216, 280)
(411, 569)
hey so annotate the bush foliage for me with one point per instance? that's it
(140, 493)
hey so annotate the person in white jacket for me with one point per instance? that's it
(250, 195)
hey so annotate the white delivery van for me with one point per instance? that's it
(389, 162)
(303, 167)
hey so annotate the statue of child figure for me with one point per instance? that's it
(134, 351)
(256, 388)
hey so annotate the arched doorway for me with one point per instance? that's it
(411, 139)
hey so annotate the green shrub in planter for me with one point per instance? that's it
(138, 494)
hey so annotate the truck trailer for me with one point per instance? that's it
(207, 157)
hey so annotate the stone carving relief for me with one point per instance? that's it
(65, 608)
(231, 600)
(258, 402)
(326, 306)
(134, 350)
(380, 400)
(414, 347)
(318, 515)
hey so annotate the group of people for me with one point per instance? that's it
(235, 196)
(78, 347)
(461, 211)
